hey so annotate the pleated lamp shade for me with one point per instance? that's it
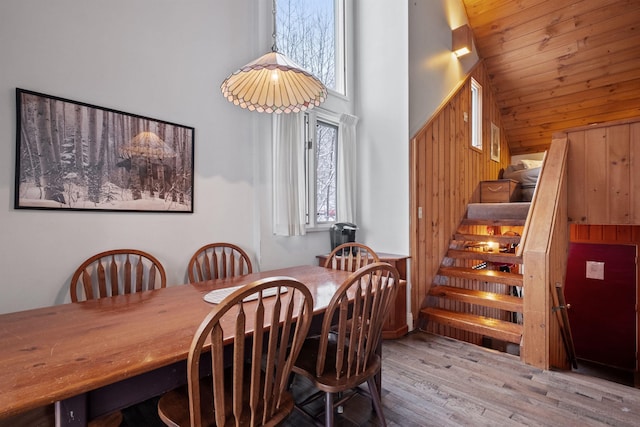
(274, 84)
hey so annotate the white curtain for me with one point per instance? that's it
(346, 185)
(289, 175)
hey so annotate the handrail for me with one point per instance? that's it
(547, 339)
(525, 229)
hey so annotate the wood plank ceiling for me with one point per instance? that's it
(558, 64)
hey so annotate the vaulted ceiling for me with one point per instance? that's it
(558, 64)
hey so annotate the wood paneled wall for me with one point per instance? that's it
(604, 173)
(607, 234)
(445, 172)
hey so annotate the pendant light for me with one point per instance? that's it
(274, 83)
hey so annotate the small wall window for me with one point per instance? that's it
(476, 115)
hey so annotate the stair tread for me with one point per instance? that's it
(477, 297)
(486, 238)
(493, 221)
(500, 329)
(497, 257)
(493, 276)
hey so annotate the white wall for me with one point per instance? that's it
(434, 71)
(157, 58)
(530, 156)
(382, 86)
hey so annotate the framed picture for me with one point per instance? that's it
(75, 156)
(495, 143)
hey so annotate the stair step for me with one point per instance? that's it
(499, 257)
(472, 296)
(504, 240)
(492, 221)
(494, 328)
(513, 210)
(493, 276)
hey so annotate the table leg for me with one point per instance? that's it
(72, 411)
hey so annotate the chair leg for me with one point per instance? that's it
(290, 379)
(328, 416)
(375, 398)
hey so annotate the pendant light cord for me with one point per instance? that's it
(274, 47)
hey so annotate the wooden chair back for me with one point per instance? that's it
(217, 261)
(352, 325)
(253, 391)
(117, 272)
(350, 257)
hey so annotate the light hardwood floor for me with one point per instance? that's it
(429, 380)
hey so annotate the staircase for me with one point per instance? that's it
(477, 293)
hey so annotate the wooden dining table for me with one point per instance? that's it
(94, 357)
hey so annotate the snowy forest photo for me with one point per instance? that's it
(72, 155)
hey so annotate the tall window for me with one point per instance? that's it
(311, 32)
(476, 114)
(314, 33)
(321, 166)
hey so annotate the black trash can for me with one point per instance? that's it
(342, 232)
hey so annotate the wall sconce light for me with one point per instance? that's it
(461, 39)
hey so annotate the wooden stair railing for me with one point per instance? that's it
(547, 339)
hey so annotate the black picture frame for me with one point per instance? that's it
(76, 156)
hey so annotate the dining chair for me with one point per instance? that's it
(351, 256)
(253, 390)
(117, 272)
(218, 260)
(346, 354)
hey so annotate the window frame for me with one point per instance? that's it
(311, 119)
(340, 38)
(476, 115)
